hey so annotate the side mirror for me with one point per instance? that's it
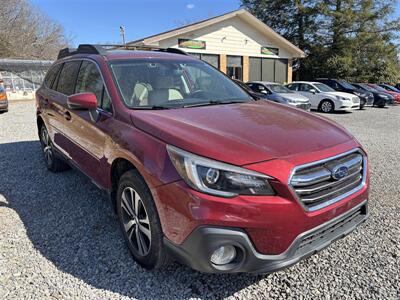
(314, 91)
(82, 101)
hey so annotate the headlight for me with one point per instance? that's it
(216, 178)
(384, 96)
(342, 98)
(290, 100)
(360, 94)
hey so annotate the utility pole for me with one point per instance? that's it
(122, 32)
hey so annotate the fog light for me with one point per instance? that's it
(223, 255)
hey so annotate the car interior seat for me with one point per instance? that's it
(163, 91)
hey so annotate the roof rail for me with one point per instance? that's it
(144, 47)
(102, 49)
(83, 48)
(66, 52)
(92, 49)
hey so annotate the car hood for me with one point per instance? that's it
(361, 91)
(241, 133)
(390, 93)
(295, 97)
(341, 94)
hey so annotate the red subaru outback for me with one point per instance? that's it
(196, 168)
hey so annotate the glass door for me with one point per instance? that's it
(234, 67)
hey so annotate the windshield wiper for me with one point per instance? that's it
(212, 102)
(151, 107)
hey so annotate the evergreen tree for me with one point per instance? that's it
(350, 39)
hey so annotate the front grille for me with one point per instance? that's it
(356, 100)
(348, 221)
(320, 184)
(305, 106)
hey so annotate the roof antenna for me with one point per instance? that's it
(122, 32)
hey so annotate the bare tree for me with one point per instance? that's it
(26, 32)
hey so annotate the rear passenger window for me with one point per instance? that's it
(51, 75)
(90, 80)
(67, 78)
(305, 87)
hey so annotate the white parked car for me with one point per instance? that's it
(324, 98)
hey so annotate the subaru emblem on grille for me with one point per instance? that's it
(340, 172)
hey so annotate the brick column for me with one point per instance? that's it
(222, 63)
(290, 71)
(246, 69)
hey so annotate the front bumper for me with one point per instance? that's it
(197, 249)
(305, 106)
(3, 105)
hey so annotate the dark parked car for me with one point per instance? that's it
(366, 98)
(194, 166)
(254, 94)
(395, 95)
(389, 87)
(380, 99)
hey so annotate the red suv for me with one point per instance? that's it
(196, 168)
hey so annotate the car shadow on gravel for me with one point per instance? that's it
(71, 223)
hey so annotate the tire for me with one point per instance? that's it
(327, 106)
(135, 206)
(53, 163)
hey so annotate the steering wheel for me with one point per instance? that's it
(197, 94)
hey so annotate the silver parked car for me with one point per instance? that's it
(279, 93)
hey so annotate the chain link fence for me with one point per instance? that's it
(21, 78)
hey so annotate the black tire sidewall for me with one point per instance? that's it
(57, 165)
(155, 256)
(49, 166)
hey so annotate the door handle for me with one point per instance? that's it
(67, 115)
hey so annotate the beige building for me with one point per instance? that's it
(237, 43)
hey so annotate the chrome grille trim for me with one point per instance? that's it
(312, 182)
(310, 190)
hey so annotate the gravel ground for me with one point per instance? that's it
(59, 238)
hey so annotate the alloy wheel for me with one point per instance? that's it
(136, 221)
(326, 106)
(47, 147)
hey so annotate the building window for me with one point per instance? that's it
(234, 67)
(268, 69)
(212, 59)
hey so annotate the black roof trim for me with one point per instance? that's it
(102, 49)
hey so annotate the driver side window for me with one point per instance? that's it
(90, 80)
(305, 87)
(259, 88)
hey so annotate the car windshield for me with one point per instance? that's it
(367, 87)
(379, 88)
(323, 87)
(160, 83)
(280, 89)
(346, 85)
(393, 89)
